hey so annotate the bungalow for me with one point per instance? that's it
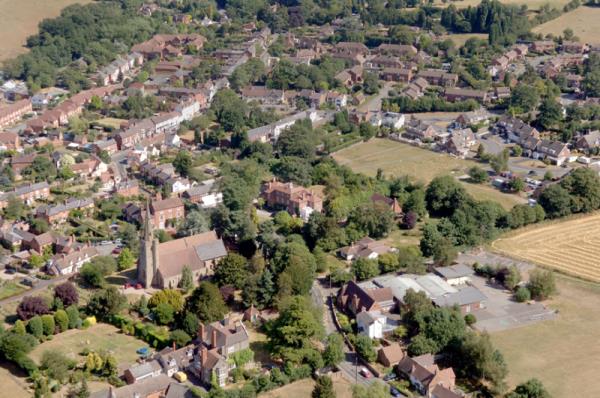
(365, 248)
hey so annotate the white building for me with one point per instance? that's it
(370, 324)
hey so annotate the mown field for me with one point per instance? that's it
(399, 159)
(531, 4)
(303, 389)
(584, 21)
(571, 246)
(19, 20)
(563, 353)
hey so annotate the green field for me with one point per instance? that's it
(398, 159)
(100, 337)
(562, 353)
(11, 288)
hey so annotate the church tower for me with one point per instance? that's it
(148, 261)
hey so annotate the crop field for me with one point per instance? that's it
(396, 158)
(531, 4)
(563, 353)
(19, 20)
(583, 21)
(303, 389)
(571, 247)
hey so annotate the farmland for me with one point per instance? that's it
(531, 4)
(570, 247)
(19, 20)
(303, 389)
(398, 159)
(583, 21)
(562, 353)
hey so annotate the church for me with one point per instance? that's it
(160, 265)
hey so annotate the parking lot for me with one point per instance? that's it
(501, 312)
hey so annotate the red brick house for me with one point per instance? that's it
(295, 199)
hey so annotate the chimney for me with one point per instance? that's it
(203, 355)
(201, 332)
(214, 339)
(174, 346)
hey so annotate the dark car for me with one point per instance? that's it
(394, 392)
(390, 377)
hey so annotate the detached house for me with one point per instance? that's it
(166, 212)
(365, 248)
(460, 142)
(295, 199)
(427, 378)
(589, 141)
(555, 151)
(418, 129)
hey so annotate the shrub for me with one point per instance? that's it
(164, 313)
(74, 319)
(35, 327)
(48, 324)
(541, 284)
(62, 320)
(522, 294)
(66, 293)
(31, 306)
(470, 319)
(180, 338)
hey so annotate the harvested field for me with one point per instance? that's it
(555, 351)
(583, 21)
(571, 247)
(19, 20)
(399, 159)
(531, 4)
(303, 389)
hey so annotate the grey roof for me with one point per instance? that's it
(454, 271)
(177, 390)
(144, 369)
(68, 206)
(211, 250)
(468, 295)
(365, 318)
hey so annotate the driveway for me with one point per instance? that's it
(374, 103)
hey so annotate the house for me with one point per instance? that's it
(218, 341)
(365, 248)
(417, 129)
(205, 194)
(150, 387)
(295, 199)
(396, 50)
(263, 95)
(543, 46)
(383, 62)
(339, 100)
(574, 47)
(28, 193)
(370, 324)
(12, 113)
(60, 212)
(459, 274)
(515, 130)
(161, 264)
(555, 151)
(66, 264)
(272, 131)
(168, 45)
(426, 376)
(143, 371)
(175, 360)
(391, 203)
(9, 141)
(473, 118)
(460, 142)
(396, 75)
(589, 141)
(350, 77)
(439, 77)
(463, 94)
(390, 355)
(166, 212)
(127, 188)
(351, 48)
(393, 120)
(354, 299)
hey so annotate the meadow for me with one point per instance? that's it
(583, 21)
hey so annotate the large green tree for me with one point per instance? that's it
(206, 302)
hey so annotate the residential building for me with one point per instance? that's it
(461, 142)
(418, 129)
(543, 46)
(390, 355)
(459, 274)
(175, 360)
(427, 377)
(12, 113)
(263, 95)
(165, 213)
(391, 203)
(370, 324)
(588, 141)
(205, 194)
(515, 130)
(365, 248)
(396, 50)
(150, 387)
(70, 263)
(143, 371)
(473, 118)
(270, 132)
(463, 94)
(28, 193)
(295, 199)
(555, 151)
(396, 75)
(9, 141)
(60, 212)
(438, 77)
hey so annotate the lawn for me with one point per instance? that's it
(460, 39)
(570, 246)
(100, 337)
(583, 21)
(562, 353)
(110, 123)
(399, 159)
(303, 389)
(11, 288)
(19, 19)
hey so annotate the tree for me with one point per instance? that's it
(231, 270)
(323, 388)
(73, 314)
(19, 327)
(206, 303)
(370, 83)
(410, 260)
(334, 351)
(409, 220)
(164, 313)
(372, 219)
(14, 208)
(106, 302)
(180, 337)
(388, 262)
(48, 324)
(444, 195)
(556, 201)
(516, 184)
(478, 175)
(39, 225)
(190, 324)
(364, 347)
(14, 347)
(591, 83)
(168, 296)
(31, 306)
(375, 390)
(364, 268)
(97, 269)
(35, 327)
(195, 222)
(126, 259)
(522, 295)
(551, 113)
(480, 361)
(444, 252)
(67, 293)
(57, 365)
(62, 320)
(532, 388)
(187, 279)
(524, 98)
(541, 284)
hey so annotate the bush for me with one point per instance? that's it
(31, 306)
(470, 319)
(66, 293)
(541, 284)
(180, 338)
(62, 320)
(164, 313)
(364, 347)
(35, 327)
(48, 324)
(74, 319)
(522, 294)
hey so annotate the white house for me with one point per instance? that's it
(393, 120)
(65, 264)
(370, 324)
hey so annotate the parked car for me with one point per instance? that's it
(390, 377)
(394, 392)
(364, 372)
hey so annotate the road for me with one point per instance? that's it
(373, 104)
(41, 285)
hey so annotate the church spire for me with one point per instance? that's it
(148, 230)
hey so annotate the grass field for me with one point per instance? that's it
(460, 39)
(110, 122)
(303, 389)
(531, 4)
(563, 353)
(10, 288)
(583, 21)
(100, 337)
(571, 246)
(19, 20)
(398, 159)
(12, 386)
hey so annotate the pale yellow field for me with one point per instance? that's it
(460, 39)
(19, 19)
(585, 22)
(571, 247)
(303, 389)
(563, 353)
(531, 4)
